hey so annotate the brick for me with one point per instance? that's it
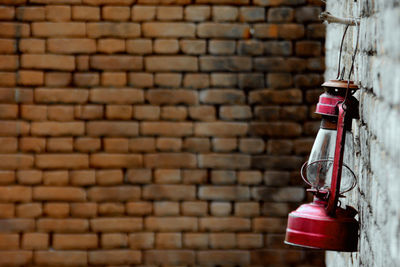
(7, 211)
(14, 29)
(250, 47)
(197, 13)
(166, 128)
(109, 177)
(224, 63)
(8, 46)
(171, 224)
(223, 177)
(171, 63)
(195, 240)
(119, 112)
(249, 240)
(223, 257)
(62, 161)
(13, 128)
(110, 29)
(252, 14)
(247, 209)
(62, 225)
(35, 241)
(235, 112)
(251, 145)
(53, 29)
(83, 210)
(224, 224)
(57, 128)
(194, 208)
(224, 13)
(15, 258)
(173, 257)
(30, 78)
(110, 46)
(141, 240)
(202, 113)
(29, 210)
(116, 13)
(220, 129)
(74, 241)
(34, 144)
(166, 208)
(8, 79)
(7, 177)
(108, 2)
(193, 47)
(175, 113)
(54, 62)
(86, 79)
(276, 178)
(194, 176)
(282, 194)
(276, 162)
(169, 192)
(8, 111)
(104, 160)
(145, 144)
(308, 48)
(224, 193)
(196, 144)
(279, 80)
(111, 209)
(57, 78)
(112, 128)
(140, 80)
(274, 31)
(82, 177)
(9, 241)
(224, 161)
(58, 13)
(169, 13)
(55, 178)
(224, 79)
(167, 176)
(275, 129)
(270, 225)
(251, 81)
(278, 2)
(61, 258)
(115, 224)
(143, 13)
(170, 160)
(171, 97)
(316, 31)
(168, 79)
(114, 240)
(280, 147)
(222, 240)
(139, 208)
(114, 193)
(15, 161)
(86, 13)
(58, 193)
(308, 13)
(222, 30)
(82, 62)
(71, 46)
(221, 47)
(116, 145)
(118, 96)
(30, 13)
(116, 62)
(220, 209)
(8, 62)
(17, 225)
(168, 29)
(289, 96)
(56, 210)
(281, 14)
(60, 113)
(169, 240)
(7, 13)
(87, 144)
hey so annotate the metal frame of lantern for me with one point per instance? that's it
(323, 224)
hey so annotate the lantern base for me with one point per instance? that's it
(309, 226)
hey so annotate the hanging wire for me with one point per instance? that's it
(340, 51)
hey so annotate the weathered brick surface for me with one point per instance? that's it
(155, 132)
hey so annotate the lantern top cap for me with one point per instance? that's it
(340, 84)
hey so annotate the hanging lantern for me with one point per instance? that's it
(323, 224)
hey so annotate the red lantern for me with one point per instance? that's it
(323, 224)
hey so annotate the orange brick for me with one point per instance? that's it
(56, 210)
(16, 258)
(222, 257)
(60, 144)
(110, 29)
(62, 225)
(58, 13)
(171, 224)
(109, 177)
(17, 225)
(9, 241)
(35, 241)
(6, 211)
(30, 78)
(111, 128)
(116, 224)
(29, 176)
(116, 79)
(114, 193)
(114, 257)
(141, 240)
(8, 79)
(8, 62)
(8, 46)
(139, 208)
(169, 240)
(172, 257)
(14, 29)
(166, 208)
(55, 178)
(82, 177)
(32, 144)
(32, 46)
(60, 113)
(84, 210)
(144, 144)
(195, 240)
(71, 46)
(74, 241)
(88, 112)
(168, 29)
(87, 144)
(57, 128)
(7, 13)
(86, 13)
(111, 209)
(7, 177)
(55, 95)
(116, 13)
(110, 46)
(58, 258)
(30, 13)
(55, 29)
(116, 145)
(57, 78)
(16, 161)
(52, 193)
(118, 96)
(113, 240)
(55, 62)
(143, 13)
(87, 79)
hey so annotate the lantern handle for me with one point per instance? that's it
(337, 162)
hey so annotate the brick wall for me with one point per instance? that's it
(155, 132)
(376, 151)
